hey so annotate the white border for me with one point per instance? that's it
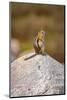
(4, 49)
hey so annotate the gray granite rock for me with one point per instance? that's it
(38, 75)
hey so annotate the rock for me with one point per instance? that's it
(15, 49)
(15, 46)
(38, 75)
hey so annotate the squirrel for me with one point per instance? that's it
(39, 43)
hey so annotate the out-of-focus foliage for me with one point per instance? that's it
(28, 19)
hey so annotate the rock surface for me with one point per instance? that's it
(39, 75)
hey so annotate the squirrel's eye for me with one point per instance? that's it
(42, 31)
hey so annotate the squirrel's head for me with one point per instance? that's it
(41, 34)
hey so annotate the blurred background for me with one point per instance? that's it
(27, 19)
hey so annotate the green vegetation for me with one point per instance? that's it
(26, 46)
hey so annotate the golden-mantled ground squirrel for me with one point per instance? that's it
(39, 43)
